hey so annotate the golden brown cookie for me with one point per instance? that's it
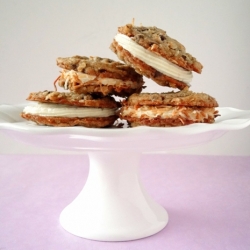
(89, 122)
(155, 55)
(180, 98)
(69, 98)
(70, 109)
(99, 76)
(168, 109)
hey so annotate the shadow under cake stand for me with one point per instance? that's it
(113, 205)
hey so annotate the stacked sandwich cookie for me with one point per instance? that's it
(90, 85)
(169, 109)
(99, 76)
(155, 55)
(68, 109)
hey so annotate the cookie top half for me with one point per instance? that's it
(97, 66)
(73, 99)
(181, 98)
(96, 75)
(156, 55)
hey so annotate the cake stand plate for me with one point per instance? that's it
(113, 205)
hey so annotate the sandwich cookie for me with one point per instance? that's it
(99, 76)
(168, 109)
(152, 53)
(63, 109)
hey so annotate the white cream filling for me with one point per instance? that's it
(74, 76)
(58, 110)
(159, 63)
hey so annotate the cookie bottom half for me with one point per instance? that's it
(90, 122)
(163, 122)
(122, 90)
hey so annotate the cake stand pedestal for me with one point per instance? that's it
(113, 205)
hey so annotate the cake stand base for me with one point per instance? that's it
(113, 205)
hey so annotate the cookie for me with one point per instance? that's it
(99, 76)
(73, 99)
(63, 109)
(168, 109)
(152, 53)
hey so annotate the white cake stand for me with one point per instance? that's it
(113, 205)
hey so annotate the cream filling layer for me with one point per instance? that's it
(169, 112)
(58, 110)
(157, 62)
(73, 76)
